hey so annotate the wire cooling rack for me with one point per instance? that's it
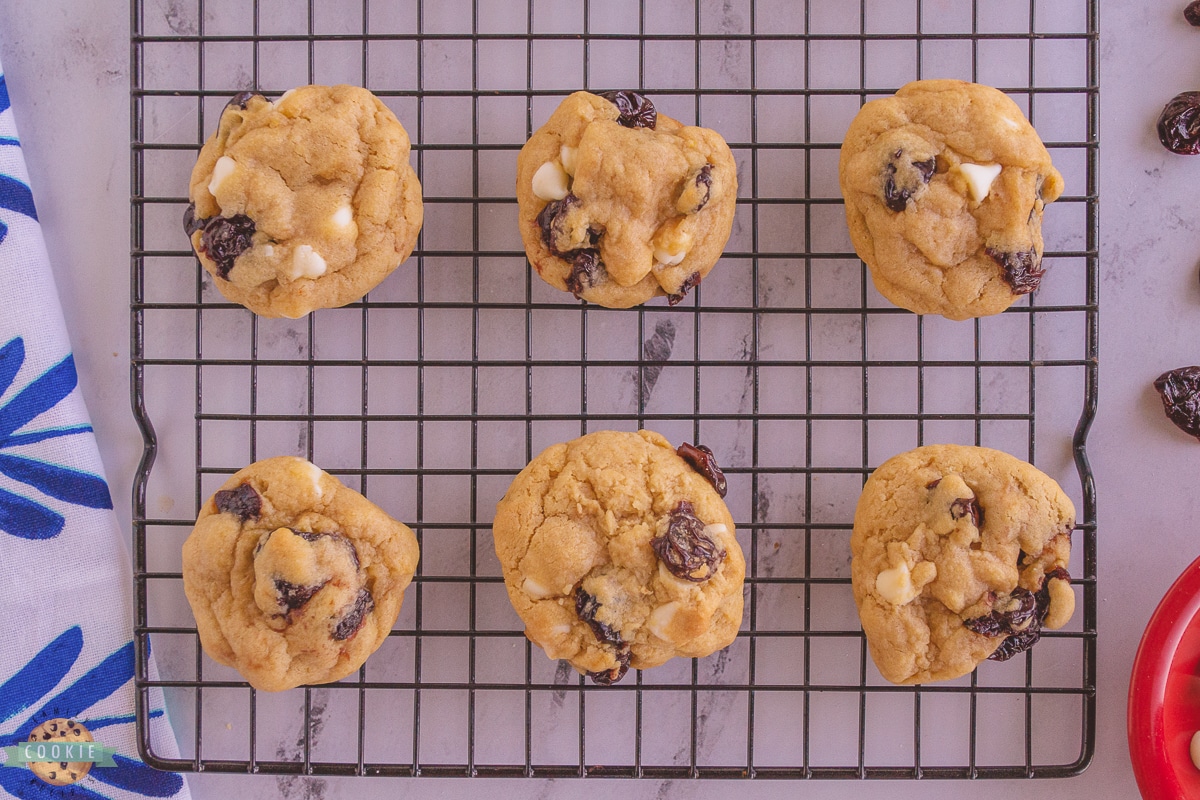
(431, 393)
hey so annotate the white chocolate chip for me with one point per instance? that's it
(660, 619)
(560, 630)
(668, 259)
(568, 155)
(221, 170)
(268, 251)
(307, 263)
(895, 585)
(315, 473)
(279, 101)
(716, 530)
(550, 182)
(536, 590)
(979, 178)
(344, 216)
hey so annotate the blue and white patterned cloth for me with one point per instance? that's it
(66, 590)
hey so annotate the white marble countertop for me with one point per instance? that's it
(66, 65)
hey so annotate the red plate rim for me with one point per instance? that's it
(1146, 722)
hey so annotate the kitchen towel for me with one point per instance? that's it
(66, 587)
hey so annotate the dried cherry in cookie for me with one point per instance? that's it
(685, 547)
(354, 615)
(689, 283)
(1022, 270)
(241, 500)
(224, 239)
(703, 461)
(904, 179)
(586, 607)
(636, 110)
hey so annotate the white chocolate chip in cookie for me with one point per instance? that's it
(314, 474)
(221, 170)
(551, 182)
(661, 618)
(979, 178)
(536, 590)
(307, 263)
(344, 216)
(900, 584)
(569, 157)
(895, 585)
(668, 259)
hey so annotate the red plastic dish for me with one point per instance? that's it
(1164, 694)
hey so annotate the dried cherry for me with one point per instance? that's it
(1179, 124)
(703, 461)
(636, 110)
(1180, 392)
(352, 620)
(685, 549)
(1022, 270)
(242, 501)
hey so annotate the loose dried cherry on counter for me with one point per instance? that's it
(1179, 124)
(1180, 392)
(1192, 13)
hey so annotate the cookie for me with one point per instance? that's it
(293, 577)
(304, 202)
(944, 185)
(619, 552)
(619, 204)
(959, 554)
(60, 773)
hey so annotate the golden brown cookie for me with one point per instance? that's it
(619, 204)
(293, 577)
(305, 202)
(944, 185)
(618, 551)
(60, 773)
(958, 554)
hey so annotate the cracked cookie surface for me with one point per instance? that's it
(618, 553)
(945, 184)
(293, 577)
(304, 202)
(959, 554)
(619, 204)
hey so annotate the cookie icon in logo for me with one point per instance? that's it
(60, 773)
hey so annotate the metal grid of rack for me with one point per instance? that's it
(432, 392)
